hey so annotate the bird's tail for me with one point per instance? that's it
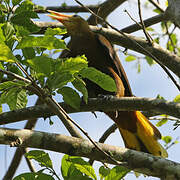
(138, 132)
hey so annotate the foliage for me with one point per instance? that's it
(57, 76)
(72, 167)
(34, 53)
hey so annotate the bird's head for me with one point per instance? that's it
(74, 24)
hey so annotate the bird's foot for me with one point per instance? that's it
(105, 97)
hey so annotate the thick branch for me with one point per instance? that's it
(104, 10)
(137, 161)
(73, 9)
(94, 104)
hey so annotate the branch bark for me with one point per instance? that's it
(137, 161)
(74, 9)
(94, 104)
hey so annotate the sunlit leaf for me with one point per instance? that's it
(41, 64)
(103, 172)
(41, 157)
(167, 139)
(83, 167)
(79, 84)
(6, 54)
(130, 58)
(34, 176)
(16, 98)
(103, 80)
(117, 172)
(47, 42)
(177, 99)
(55, 31)
(16, 2)
(73, 64)
(149, 60)
(162, 122)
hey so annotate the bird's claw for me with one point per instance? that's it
(105, 97)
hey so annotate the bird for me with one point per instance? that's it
(137, 131)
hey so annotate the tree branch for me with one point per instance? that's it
(73, 9)
(94, 104)
(134, 160)
(104, 10)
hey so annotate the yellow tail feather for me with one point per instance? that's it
(138, 132)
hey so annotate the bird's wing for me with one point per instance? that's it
(114, 62)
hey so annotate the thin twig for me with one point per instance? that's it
(138, 24)
(156, 5)
(148, 37)
(15, 76)
(29, 162)
(105, 135)
(169, 38)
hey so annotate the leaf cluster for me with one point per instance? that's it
(36, 54)
(72, 168)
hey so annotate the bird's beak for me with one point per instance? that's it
(58, 16)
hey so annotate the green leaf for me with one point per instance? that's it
(157, 11)
(28, 53)
(103, 172)
(83, 166)
(58, 80)
(174, 39)
(167, 139)
(16, 2)
(68, 170)
(9, 31)
(41, 64)
(73, 65)
(103, 80)
(160, 97)
(41, 157)
(177, 99)
(21, 31)
(13, 68)
(117, 173)
(162, 122)
(55, 31)
(47, 42)
(80, 85)
(149, 60)
(130, 58)
(10, 84)
(23, 15)
(2, 36)
(70, 96)
(76, 168)
(27, 5)
(150, 29)
(34, 176)
(138, 67)
(16, 98)
(6, 54)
